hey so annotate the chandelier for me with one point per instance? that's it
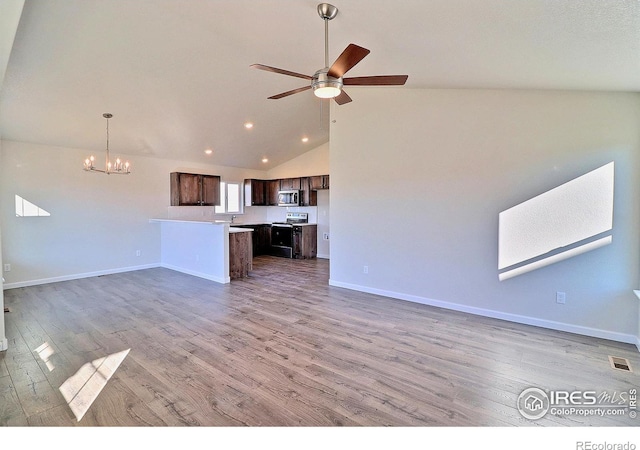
(119, 167)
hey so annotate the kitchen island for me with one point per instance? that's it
(213, 250)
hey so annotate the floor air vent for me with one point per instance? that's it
(620, 363)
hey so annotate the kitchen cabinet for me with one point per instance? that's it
(265, 192)
(310, 187)
(261, 238)
(305, 241)
(319, 182)
(210, 190)
(289, 183)
(190, 189)
(255, 192)
(271, 192)
(308, 197)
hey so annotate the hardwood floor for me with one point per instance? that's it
(280, 348)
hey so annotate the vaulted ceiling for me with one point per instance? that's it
(175, 74)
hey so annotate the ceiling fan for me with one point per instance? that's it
(328, 82)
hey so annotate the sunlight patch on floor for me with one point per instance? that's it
(81, 390)
(45, 352)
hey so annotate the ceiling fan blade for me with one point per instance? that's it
(281, 71)
(288, 93)
(380, 80)
(351, 56)
(342, 98)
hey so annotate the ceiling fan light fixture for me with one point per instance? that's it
(326, 91)
(325, 86)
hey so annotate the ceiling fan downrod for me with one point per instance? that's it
(326, 13)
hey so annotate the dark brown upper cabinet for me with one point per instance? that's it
(289, 183)
(265, 192)
(319, 182)
(308, 197)
(190, 189)
(255, 192)
(271, 193)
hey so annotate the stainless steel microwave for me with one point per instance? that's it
(289, 198)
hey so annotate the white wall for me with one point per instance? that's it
(313, 162)
(10, 12)
(3, 335)
(419, 177)
(97, 222)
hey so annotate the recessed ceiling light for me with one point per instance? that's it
(248, 125)
(265, 160)
(305, 139)
(208, 151)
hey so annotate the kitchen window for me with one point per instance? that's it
(230, 198)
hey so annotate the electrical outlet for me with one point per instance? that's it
(365, 269)
(561, 298)
(137, 252)
(7, 267)
(325, 236)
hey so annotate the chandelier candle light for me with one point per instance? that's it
(118, 167)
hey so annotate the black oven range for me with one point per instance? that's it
(285, 234)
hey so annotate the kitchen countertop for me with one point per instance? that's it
(239, 230)
(212, 222)
(237, 225)
(232, 229)
(248, 224)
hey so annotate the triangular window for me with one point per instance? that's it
(25, 208)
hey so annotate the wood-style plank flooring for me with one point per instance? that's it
(281, 348)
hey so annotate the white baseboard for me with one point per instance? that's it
(526, 320)
(322, 255)
(4, 344)
(223, 280)
(77, 276)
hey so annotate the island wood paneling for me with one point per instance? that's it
(240, 254)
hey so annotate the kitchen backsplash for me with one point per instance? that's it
(279, 213)
(252, 214)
